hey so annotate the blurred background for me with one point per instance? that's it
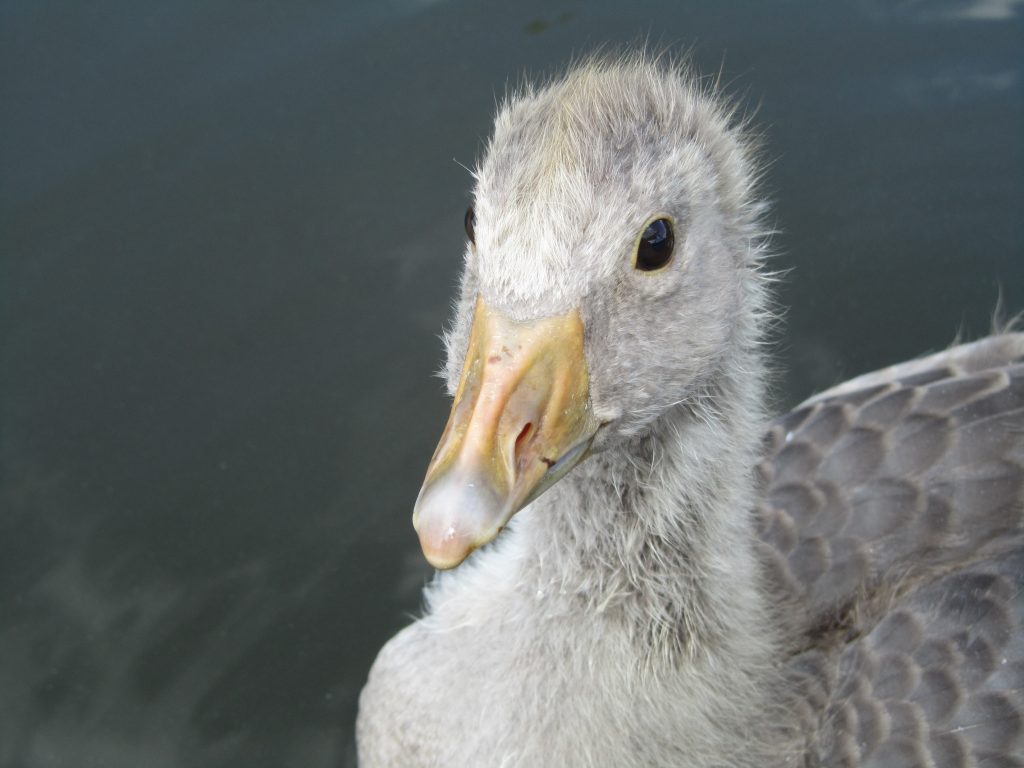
(229, 235)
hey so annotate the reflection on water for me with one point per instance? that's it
(964, 10)
(229, 241)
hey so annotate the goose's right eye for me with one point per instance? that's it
(470, 224)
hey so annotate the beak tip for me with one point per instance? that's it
(444, 547)
(443, 563)
(453, 517)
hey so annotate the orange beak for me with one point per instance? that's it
(521, 420)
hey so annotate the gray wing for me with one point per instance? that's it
(906, 477)
(892, 527)
(937, 681)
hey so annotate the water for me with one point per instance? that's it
(228, 238)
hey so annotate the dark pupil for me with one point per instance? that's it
(470, 224)
(655, 247)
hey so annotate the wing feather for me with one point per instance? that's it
(893, 523)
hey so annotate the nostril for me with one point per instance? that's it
(524, 435)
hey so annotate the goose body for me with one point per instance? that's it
(686, 582)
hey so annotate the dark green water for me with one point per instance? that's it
(228, 236)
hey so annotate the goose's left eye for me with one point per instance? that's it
(655, 248)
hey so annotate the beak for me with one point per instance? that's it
(521, 420)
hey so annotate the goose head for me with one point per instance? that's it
(610, 273)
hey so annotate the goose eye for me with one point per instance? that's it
(470, 224)
(655, 248)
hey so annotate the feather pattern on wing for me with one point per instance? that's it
(892, 521)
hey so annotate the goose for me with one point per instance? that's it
(651, 570)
